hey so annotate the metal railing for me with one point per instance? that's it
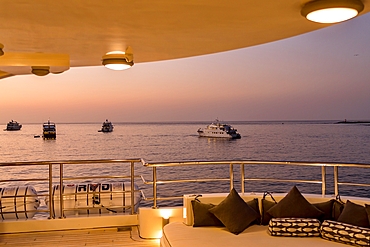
(244, 164)
(56, 176)
(236, 171)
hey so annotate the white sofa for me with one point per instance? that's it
(183, 234)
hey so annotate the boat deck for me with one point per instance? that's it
(93, 237)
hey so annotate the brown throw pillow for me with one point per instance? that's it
(327, 208)
(337, 209)
(202, 217)
(234, 213)
(294, 205)
(266, 205)
(254, 204)
(354, 214)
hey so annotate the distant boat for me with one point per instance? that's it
(219, 130)
(13, 125)
(353, 122)
(107, 126)
(49, 130)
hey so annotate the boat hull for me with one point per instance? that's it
(220, 134)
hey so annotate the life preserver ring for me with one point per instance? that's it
(18, 202)
(98, 198)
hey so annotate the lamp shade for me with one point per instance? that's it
(331, 11)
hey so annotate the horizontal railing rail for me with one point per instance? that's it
(244, 164)
(54, 175)
(237, 170)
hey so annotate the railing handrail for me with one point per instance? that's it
(155, 181)
(51, 177)
(244, 163)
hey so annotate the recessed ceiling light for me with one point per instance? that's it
(118, 60)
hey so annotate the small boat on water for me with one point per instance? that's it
(13, 125)
(219, 130)
(49, 130)
(107, 126)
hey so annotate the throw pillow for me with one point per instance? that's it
(254, 204)
(345, 233)
(266, 217)
(327, 208)
(202, 217)
(294, 227)
(234, 213)
(354, 214)
(367, 208)
(337, 209)
(294, 205)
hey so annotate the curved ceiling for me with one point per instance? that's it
(70, 33)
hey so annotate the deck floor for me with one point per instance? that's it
(93, 237)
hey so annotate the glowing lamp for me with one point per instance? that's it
(118, 60)
(331, 11)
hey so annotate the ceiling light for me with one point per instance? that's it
(331, 11)
(40, 70)
(1, 49)
(118, 60)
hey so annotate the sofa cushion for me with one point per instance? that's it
(202, 217)
(337, 209)
(354, 214)
(294, 205)
(294, 227)
(234, 213)
(254, 204)
(326, 208)
(266, 205)
(345, 233)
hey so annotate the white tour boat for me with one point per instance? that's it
(107, 126)
(49, 130)
(13, 125)
(219, 130)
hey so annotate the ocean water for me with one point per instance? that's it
(319, 141)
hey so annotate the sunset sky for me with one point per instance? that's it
(323, 75)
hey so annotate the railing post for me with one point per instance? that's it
(61, 191)
(50, 192)
(231, 176)
(132, 187)
(323, 181)
(154, 187)
(243, 177)
(336, 188)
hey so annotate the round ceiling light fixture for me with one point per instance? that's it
(40, 70)
(118, 60)
(331, 11)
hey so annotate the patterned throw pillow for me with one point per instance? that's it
(294, 227)
(345, 233)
